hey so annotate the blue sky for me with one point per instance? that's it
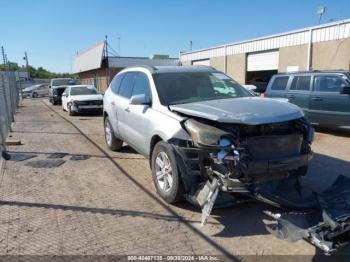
(51, 31)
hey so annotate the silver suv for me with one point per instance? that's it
(197, 125)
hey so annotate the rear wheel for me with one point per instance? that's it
(34, 95)
(166, 175)
(112, 142)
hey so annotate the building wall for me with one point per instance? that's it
(331, 55)
(218, 63)
(236, 67)
(293, 56)
(98, 77)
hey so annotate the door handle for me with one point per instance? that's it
(127, 109)
(316, 98)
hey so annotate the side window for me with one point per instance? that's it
(141, 85)
(301, 83)
(125, 88)
(280, 83)
(116, 83)
(330, 83)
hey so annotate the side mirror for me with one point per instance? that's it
(345, 90)
(140, 100)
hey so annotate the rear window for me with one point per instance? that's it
(280, 83)
(301, 83)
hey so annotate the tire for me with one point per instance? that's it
(34, 95)
(54, 102)
(112, 142)
(71, 113)
(170, 186)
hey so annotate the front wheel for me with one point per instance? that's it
(71, 113)
(166, 175)
(112, 142)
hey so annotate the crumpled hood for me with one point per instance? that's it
(87, 97)
(245, 110)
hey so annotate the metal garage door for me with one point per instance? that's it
(262, 61)
(205, 62)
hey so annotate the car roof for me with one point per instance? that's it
(173, 69)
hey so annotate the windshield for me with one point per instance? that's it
(61, 82)
(181, 88)
(82, 90)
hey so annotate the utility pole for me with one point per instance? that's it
(106, 59)
(191, 43)
(4, 59)
(119, 50)
(26, 59)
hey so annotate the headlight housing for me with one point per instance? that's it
(202, 134)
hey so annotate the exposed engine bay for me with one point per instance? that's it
(230, 163)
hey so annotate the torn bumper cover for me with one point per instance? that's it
(265, 164)
(327, 225)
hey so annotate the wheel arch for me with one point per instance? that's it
(154, 140)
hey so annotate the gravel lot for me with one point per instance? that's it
(107, 204)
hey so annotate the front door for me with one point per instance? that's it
(137, 123)
(327, 105)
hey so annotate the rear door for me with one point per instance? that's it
(299, 92)
(122, 101)
(327, 105)
(110, 102)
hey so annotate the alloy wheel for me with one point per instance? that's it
(164, 172)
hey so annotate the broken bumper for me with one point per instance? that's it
(326, 225)
(195, 160)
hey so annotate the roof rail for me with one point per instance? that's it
(315, 71)
(205, 66)
(149, 67)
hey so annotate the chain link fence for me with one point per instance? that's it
(9, 100)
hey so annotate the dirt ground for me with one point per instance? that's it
(107, 204)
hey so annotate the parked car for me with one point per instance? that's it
(193, 132)
(36, 91)
(55, 94)
(323, 95)
(81, 98)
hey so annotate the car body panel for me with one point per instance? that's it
(71, 99)
(248, 110)
(323, 108)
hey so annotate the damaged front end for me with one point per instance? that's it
(234, 163)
